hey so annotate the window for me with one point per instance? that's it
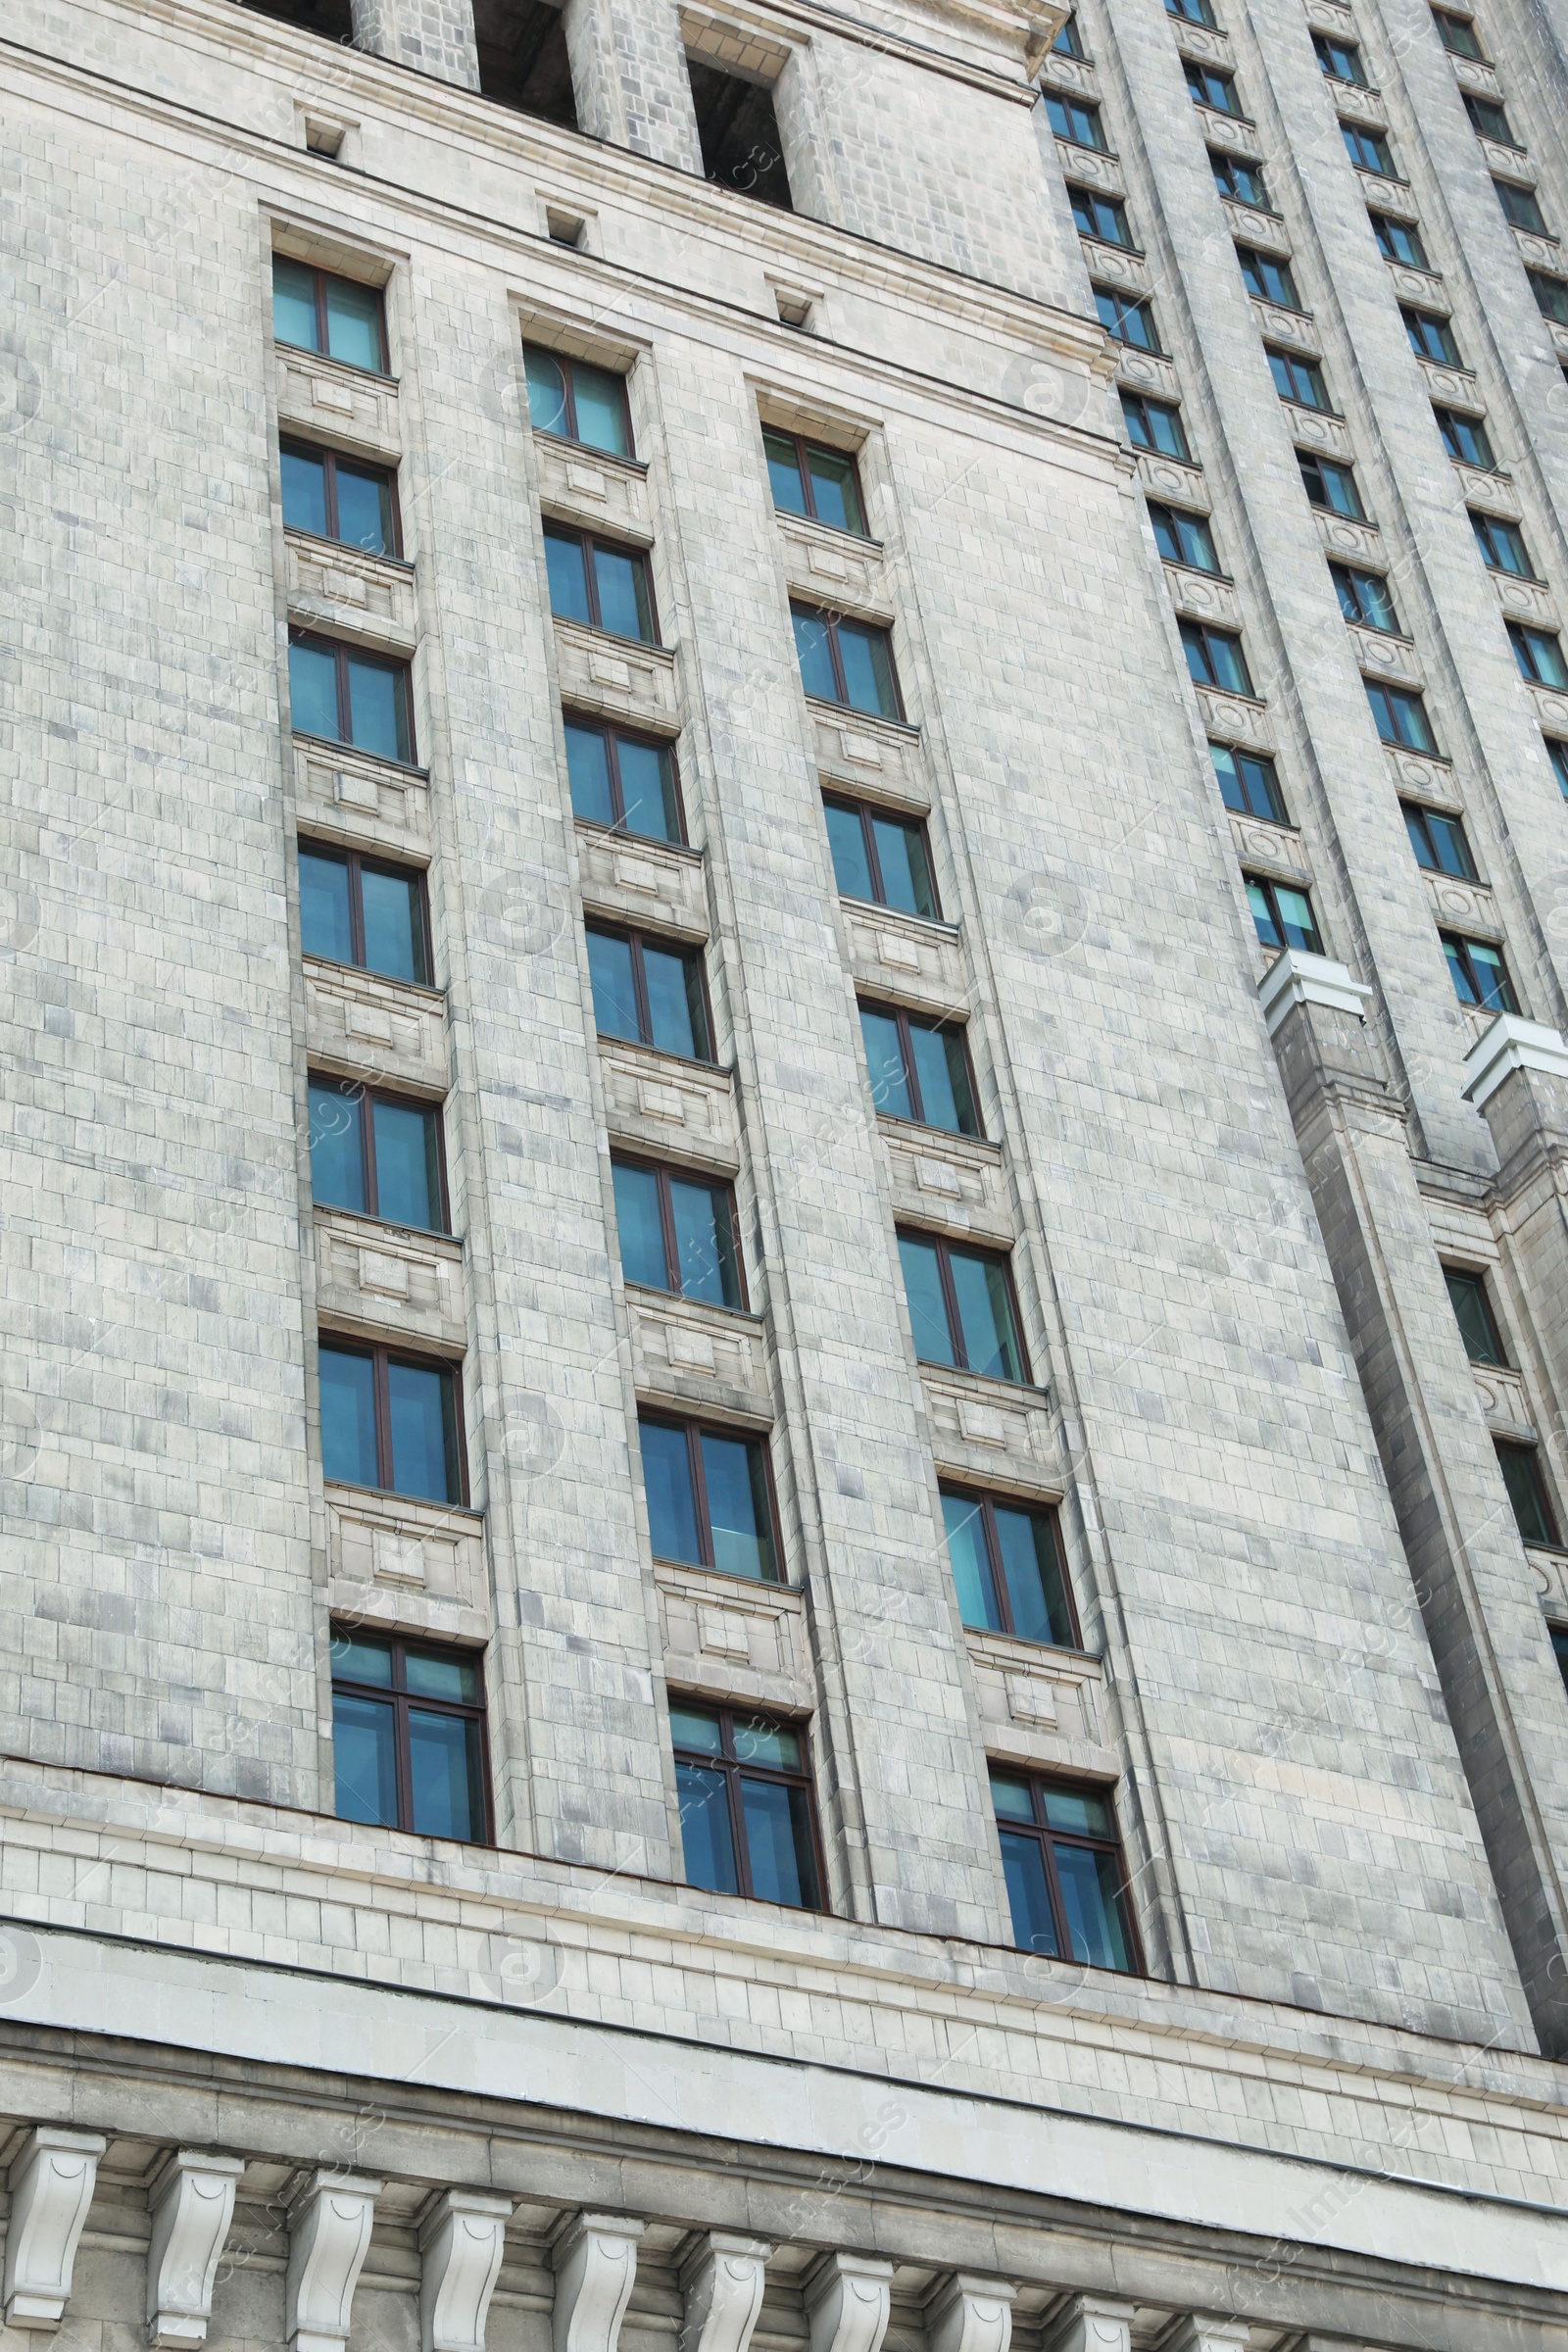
(881, 857)
(962, 1308)
(1340, 60)
(1439, 842)
(1072, 118)
(747, 1823)
(1557, 753)
(1127, 317)
(1195, 11)
(605, 586)
(391, 1421)
(313, 311)
(1008, 1569)
(1101, 216)
(572, 401)
(1365, 596)
(845, 662)
(333, 498)
(1559, 1650)
(1551, 295)
(1400, 717)
(1538, 654)
(1154, 424)
(1183, 537)
(1247, 782)
(1527, 1492)
(624, 781)
(1502, 544)
(1214, 657)
(1479, 974)
(1488, 119)
(1368, 150)
(349, 695)
(709, 1500)
(807, 479)
(1330, 485)
(920, 1069)
(1212, 86)
(377, 1154)
(678, 1233)
(356, 911)
(1399, 241)
(650, 994)
(1473, 1309)
(1241, 180)
(408, 1736)
(1521, 207)
(1066, 1884)
(1464, 438)
(738, 131)
(1458, 34)
(1430, 336)
(1281, 917)
(1069, 41)
(522, 58)
(1298, 379)
(1271, 280)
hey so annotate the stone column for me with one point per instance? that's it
(628, 72)
(433, 36)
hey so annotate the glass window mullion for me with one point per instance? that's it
(950, 1301)
(699, 1475)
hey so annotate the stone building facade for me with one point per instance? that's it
(786, 1175)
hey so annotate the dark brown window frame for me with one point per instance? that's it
(357, 863)
(382, 376)
(901, 1014)
(663, 1170)
(290, 443)
(639, 981)
(591, 722)
(1532, 1456)
(783, 432)
(1104, 1845)
(402, 1699)
(986, 1503)
(356, 1087)
(1464, 942)
(567, 361)
(944, 1249)
(695, 1703)
(340, 651)
(585, 539)
(692, 1427)
(866, 811)
(382, 1353)
(1424, 815)
(830, 617)
(1308, 460)
(1253, 881)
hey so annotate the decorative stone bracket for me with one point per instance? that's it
(722, 2286)
(330, 2236)
(596, 2262)
(847, 2304)
(51, 2188)
(461, 2243)
(971, 2314)
(192, 2204)
(1094, 2323)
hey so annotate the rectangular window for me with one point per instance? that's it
(594, 581)
(571, 400)
(624, 781)
(1247, 782)
(1183, 537)
(1539, 655)
(1557, 753)
(1473, 1309)
(390, 1421)
(1399, 241)
(920, 1069)
(1501, 544)
(1212, 86)
(678, 1233)
(1527, 1492)
(1069, 41)
(377, 1154)
(1368, 150)
(846, 662)
(336, 498)
(1127, 317)
(1298, 379)
(1241, 180)
(962, 1308)
(709, 1499)
(1459, 35)
(1101, 216)
(1194, 12)
(1479, 974)
(650, 993)
(1521, 207)
(313, 311)
(1340, 61)
(523, 63)
(881, 857)
(808, 479)
(356, 911)
(1267, 278)
(1074, 120)
(1488, 119)
(1464, 438)
(737, 128)
(1153, 425)
(1400, 717)
(746, 1820)
(1430, 336)
(1281, 917)
(1067, 1880)
(1008, 1569)
(346, 695)
(1330, 485)
(1439, 842)
(1214, 657)
(1551, 295)
(408, 1736)
(1559, 1650)
(1365, 596)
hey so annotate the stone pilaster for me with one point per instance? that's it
(433, 36)
(628, 69)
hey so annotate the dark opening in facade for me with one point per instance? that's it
(522, 58)
(331, 19)
(739, 132)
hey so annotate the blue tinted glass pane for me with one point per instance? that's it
(971, 1565)
(1080, 1810)
(378, 708)
(623, 593)
(447, 1775)
(778, 1842)
(836, 491)
(642, 1234)
(569, 582)
(600, 408)
(815, 658)
(705, 1242)
(546, 392)
(1027, 1895)
(354, 324)
(884, 1062)
(1033, 1575)
(737, 1507)
(906, 873)
(338, 1151)
(433, 1674)
(1009, 1798)
(868, 669)
(985, 1316)
(784, 474)
(647, 790)
(364, 511)
(668, 1484)
(294, 303)
(1487, 964)
(759, 1741)
(312, 690)
(1228, 775)
(615, 995)
(360, 1661)
(846, 838)
(1457, 973)
(394, 925)
(1295, 919)
(675, 1003)
(408, 1166)
(588, 767)
(1090, 1890)
(706, 1838)
(348, 1418)
(304, 492)
(1264, 916)
(324, 928)
(364, 1752)
(424, 1436)
(928, 1316)
(693, 1727)
(939, 1064)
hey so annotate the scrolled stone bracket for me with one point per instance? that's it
(330, 2236)
(460, 2244)
(971, 2314)
(722, 2286)
(192, 2204)
(595, 2261)
(51, 2188)
(847, 2301)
